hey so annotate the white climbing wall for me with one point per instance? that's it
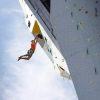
(76, 25)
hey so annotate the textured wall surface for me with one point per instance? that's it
(76, 25)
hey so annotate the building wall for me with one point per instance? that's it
(76, 25)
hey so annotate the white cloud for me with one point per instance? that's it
(34, 79)
(7, 11)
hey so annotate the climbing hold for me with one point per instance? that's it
(80, 9)
(97, 1)
(86, 12)
(77, 26)
(87, 51)
(96, 11)
(71, 14)
(36, 29)
(95, 70)
(29, 24)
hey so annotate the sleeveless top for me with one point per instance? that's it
(33, 46)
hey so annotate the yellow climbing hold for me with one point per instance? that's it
(36, 29)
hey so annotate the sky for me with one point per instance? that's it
(26, 80)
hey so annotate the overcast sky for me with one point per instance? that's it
(26, 80)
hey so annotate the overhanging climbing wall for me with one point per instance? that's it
(76, 25)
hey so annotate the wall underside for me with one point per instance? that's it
(76, 25)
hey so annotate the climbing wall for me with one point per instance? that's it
(76, 25)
